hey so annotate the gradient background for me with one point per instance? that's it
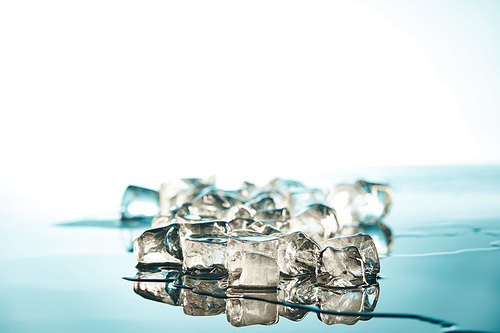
(96, 95)
(100, 94)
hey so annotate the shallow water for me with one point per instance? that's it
(444, 264)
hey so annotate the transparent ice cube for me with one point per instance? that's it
(239, 211)
(373, 203)
(213, 228)
(205, 255)
(213, 203)
(366, 246)
(340, 267)
(318, 221)
(240, 223)
(139, 203)
(297, 254)
(159, 245)
(306, 197)
(264, 228)
(251, 241)
(262, 202)
(273, 215)
(250, 270)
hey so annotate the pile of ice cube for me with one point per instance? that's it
(255, 234)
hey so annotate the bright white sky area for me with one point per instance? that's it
(114, 92)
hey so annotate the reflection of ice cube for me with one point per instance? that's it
(204, 254)
(317, 221)
(245, 312)
(299, 291)
(139, 203)
(297, 254)
(340, 300)
(202, 305)
(340, 267)
(347, 300)
(370, 294)
(159, 291)
(252, 270)
(366, 247)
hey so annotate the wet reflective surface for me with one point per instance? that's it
(445, 232)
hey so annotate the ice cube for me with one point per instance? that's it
(239, 211)
(298, 291)
(212, 203)
(297, 254)
(159, 245)
(213, 228)
(273, 215)
(160, 221)
(251, 260)
(306, 197)
(252, 270)
(340, 300)
(278, 199)
(367, 248)
(373, 203)
(202, 305)
(340, 267)
(139, 203)
(340, 199)
(262, 202)
(167, 197)
(163, 292)
(205, 255)
(264, 228)
(317, 221)
(246, 190)
(285, 185)
(240, 223)
(250, 241)
(379, 232)
(245, 312)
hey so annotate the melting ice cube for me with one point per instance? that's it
(139, 203)
(317, 221)
(297, 254)
(340, 267)
(367, 248)
(205, 254)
